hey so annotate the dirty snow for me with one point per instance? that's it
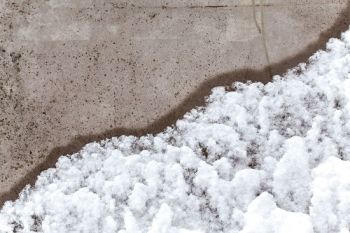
(271, 158)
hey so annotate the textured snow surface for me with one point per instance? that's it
(271, 158)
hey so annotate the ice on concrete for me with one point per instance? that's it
(268, 158)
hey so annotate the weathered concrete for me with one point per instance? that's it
(75, 71)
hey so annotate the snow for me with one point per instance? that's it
(293, 169)
(271, 158)
(330, 204)
(264, 216)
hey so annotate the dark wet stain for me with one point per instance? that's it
(197, 98)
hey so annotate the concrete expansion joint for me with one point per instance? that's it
(228, 6)
(254, 4)
(195, 6)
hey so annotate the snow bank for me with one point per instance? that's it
(268, 158)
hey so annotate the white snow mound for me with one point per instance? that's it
(271, 158)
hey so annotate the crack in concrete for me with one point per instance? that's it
(261, 29)
(254, 16)
(264, 39)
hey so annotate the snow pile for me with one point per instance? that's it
(271, 158)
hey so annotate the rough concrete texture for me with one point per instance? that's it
(75, 71)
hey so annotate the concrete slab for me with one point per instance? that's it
(77, 71)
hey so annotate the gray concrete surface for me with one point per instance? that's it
(75, 71)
